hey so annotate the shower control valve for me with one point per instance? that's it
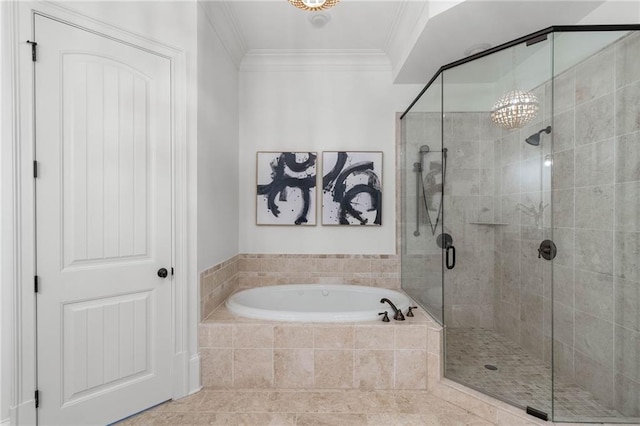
(547, 250)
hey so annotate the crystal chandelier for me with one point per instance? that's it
(313, 5)
(515, 109)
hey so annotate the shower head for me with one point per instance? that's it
(534, 139)
(424, 149)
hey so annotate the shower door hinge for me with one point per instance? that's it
(37, 398)
(35, 169)
(36, 284)
(537, 413)
(33, 50)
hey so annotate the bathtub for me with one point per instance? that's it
(316, 303)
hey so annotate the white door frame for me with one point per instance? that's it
(18, 249)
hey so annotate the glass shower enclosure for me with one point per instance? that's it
(521, 220)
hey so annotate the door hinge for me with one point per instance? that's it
(35, 169)
(33, 49)
(37, 398)
(36, 284)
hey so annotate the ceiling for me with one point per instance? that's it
(353, 25)
(415, 36)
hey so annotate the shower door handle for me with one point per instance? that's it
(450, 261)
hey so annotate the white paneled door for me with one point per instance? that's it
(103, 203)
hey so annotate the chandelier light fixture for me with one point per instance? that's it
(515, 109)
(313, 5)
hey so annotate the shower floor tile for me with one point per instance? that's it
(520, 378)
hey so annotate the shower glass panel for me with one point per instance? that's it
(423, 176)
(596, 224)
(524, 242)
(497, 210)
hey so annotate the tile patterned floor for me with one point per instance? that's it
(295, 407)
(520, 377)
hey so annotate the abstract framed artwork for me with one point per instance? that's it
(286, 188)
(352, 188)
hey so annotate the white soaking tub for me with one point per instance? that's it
(316, 303)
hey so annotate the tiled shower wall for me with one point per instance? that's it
(254, 270)
(495, 177)
(468, 200)
(596, 216)
(522, 212)
(421, 257)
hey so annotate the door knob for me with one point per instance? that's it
(162, 272)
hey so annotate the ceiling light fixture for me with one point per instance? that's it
(515, 109)
(313, 5)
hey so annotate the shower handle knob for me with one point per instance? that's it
(547, 250)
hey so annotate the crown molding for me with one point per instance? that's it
(223, 20)
(392, 34)
(315, 60)
(407, 27)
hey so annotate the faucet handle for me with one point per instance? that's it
(409, 313)
(385, 318)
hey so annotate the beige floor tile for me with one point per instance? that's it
(262, 419)
(307, 407)
(215, 402)
(371, 401)
(331, 419)
(395, 420)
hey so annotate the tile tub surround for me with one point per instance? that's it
(273, 269)
(216, 284)
(244, 353)
(256, 270)
(444, 403)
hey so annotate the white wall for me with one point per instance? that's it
(287, 106)
(217, 148)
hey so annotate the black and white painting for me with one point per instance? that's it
(286, 188)
(352, 188)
